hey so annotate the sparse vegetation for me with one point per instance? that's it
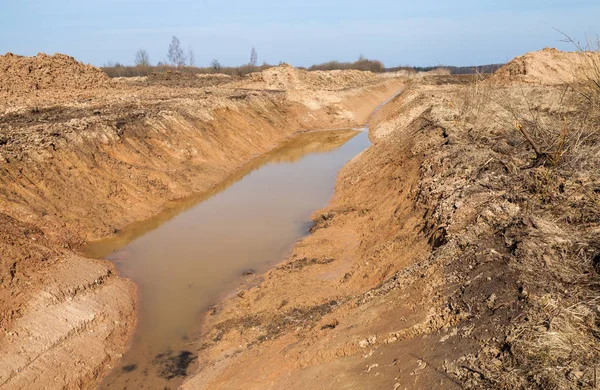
(118, 70)
(142, 58)
(479, 69)
(362, 63)
(253, 57)
(215, 65)
(547, 139)
(175, 54)
(191, 57)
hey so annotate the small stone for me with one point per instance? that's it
(491, 301)
(372, 366)
(331, 324)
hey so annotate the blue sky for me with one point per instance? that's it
(301, 32)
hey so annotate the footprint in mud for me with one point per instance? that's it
(172, 365)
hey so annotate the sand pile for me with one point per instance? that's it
(286, 77)
(548, 66)
(25, 75)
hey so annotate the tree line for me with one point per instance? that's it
(176, 57)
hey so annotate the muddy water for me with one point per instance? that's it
(184, 262)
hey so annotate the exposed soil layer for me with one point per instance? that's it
(83, 157)
(453, 255)
(64, 319)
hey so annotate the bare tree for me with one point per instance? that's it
(215, 65)
(191, 56)
(253, 57)
(175, 54)
(142, 58)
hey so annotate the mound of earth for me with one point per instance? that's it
(25, 75)
(548, 66)
(286, 77)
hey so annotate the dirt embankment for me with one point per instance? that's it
(452, 255)
(549, 67)
(80, 164)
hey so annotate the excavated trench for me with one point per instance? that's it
(71, 175)
(219, 240)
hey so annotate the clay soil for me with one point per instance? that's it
(459, 251)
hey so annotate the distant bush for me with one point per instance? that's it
(482, 69)
(118, 70)
(361, 64)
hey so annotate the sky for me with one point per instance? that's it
(300, 32)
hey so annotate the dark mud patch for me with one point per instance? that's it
(171, 365)
(130, 368)
(273, 327)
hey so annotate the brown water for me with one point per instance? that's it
(184, 262)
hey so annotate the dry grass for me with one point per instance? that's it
(471, 102)
(554, 345)
(548, 138)
(588, 86)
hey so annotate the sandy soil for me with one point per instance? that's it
(82, 157)
(450, 256)
(460, 251)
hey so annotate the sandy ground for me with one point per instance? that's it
(450, 257)
(82, 157)
(456, 252)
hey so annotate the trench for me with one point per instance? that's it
(200, 249)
